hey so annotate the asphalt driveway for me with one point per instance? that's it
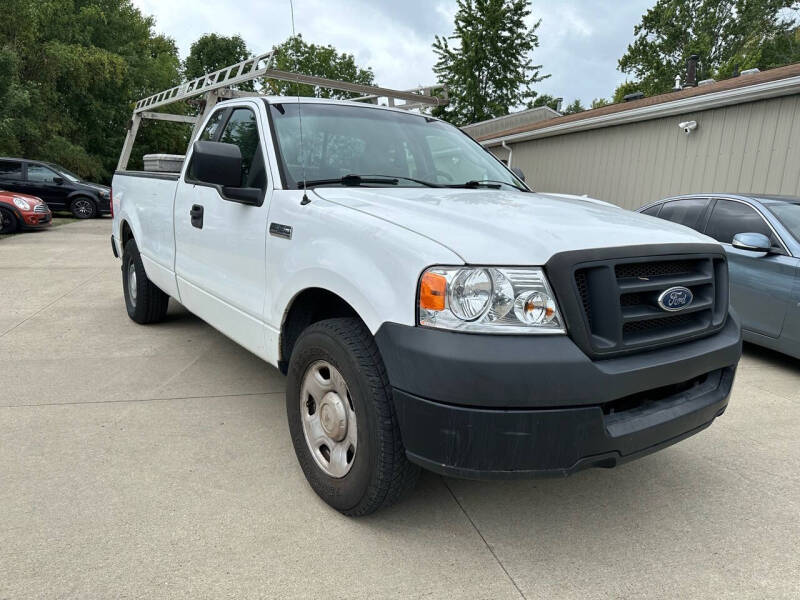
(155, 462)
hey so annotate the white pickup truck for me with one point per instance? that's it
(427, 307)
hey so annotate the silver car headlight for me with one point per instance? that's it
(488, 300)
(22, 203)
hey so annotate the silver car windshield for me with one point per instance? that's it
(789, 216)
(341, 140)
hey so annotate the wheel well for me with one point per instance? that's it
(126, 233)
(308, 307)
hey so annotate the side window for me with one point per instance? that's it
(242, 130)
(684, 212)
(210, 130)
(652, 211)
(41, 174)
(10, 169)
(729, 218)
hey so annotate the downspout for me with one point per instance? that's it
(509, 150)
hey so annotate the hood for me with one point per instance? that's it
(95, 186)
(9, 198)
(506, 227)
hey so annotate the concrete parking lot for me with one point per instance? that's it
(155, 462)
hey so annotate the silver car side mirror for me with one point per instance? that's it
(751, 242)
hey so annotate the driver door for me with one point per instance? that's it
(220, 259)
(761, 285)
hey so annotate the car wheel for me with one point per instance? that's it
(145, 302)
(83, 208)
(342, 421)
(8, 222)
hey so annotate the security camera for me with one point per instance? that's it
(688, 126)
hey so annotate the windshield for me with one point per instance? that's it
(789, 216)
(340, 140)
(64, 173)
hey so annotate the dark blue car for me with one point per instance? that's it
(761, 235)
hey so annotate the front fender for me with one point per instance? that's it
(371, 264)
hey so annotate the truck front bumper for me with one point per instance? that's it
(486, 406)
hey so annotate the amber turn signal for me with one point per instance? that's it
(432, 290)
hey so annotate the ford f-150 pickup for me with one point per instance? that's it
(428, 309)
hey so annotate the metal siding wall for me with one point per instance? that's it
(752, 147)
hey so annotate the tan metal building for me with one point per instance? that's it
(746, 138)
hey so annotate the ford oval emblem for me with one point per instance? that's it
(675, 298)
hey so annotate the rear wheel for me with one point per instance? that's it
(342, 421)
(145, 302)
(8, 222)
(83, 208)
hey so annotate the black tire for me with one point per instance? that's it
(83, 208)
(8, 222)
(148, 304)
(380, 472)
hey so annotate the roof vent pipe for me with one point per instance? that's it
(751, 71)
(691, 70)
(633, 96)
(678, 86)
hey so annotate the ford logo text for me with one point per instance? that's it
(675, 298)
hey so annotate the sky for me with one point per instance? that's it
(580, 40)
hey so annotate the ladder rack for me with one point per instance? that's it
(218, 85)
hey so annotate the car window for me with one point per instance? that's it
(10, 169)
(729, 218)
(242, 130)
(789, 215)
(40, 174)
(342, 140)
(684, 212)
(652, 211)
(210, 130)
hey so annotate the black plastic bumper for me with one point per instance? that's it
(482, 406)
(114, 247)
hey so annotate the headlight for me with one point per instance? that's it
(105, 194)
(21, 203)
(489, 300)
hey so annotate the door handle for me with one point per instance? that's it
(197, 216)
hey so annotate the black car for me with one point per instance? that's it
(59, 188)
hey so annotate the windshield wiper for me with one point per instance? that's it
(493, 184)
(356, 180)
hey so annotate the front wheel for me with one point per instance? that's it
(8, 222)
(342, 421)
(145, 302)
(83, 208)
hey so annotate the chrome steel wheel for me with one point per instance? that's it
(329, 419)
(132, 284)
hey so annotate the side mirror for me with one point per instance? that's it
(518, 172)
(220, 165)
(217, 163)
(752, 242)
(58, 180)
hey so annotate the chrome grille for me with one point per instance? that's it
(41, 208)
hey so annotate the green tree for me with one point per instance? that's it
(69, 72)
(212, 52)
(600, 102)
(486, 64)
(623, 89)
(574, 107)
(546, 100)
(721, 32)
(296, 55)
